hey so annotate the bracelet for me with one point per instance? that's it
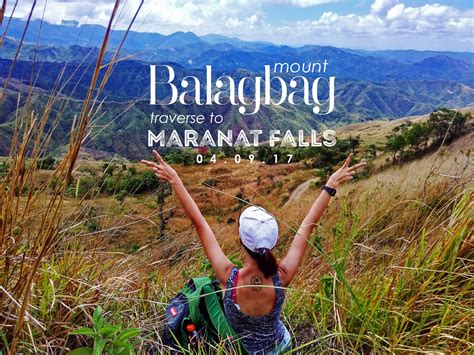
(329, 190)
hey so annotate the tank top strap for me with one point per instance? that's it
(230, 283)
(280, 292)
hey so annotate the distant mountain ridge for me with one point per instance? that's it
(224, 53)
(369, 84)
(131, 79)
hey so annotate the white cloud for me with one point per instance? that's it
(395, 12)
(388, 23)
(381, 7)
(392, 24)
(303, 3)
(233, 23)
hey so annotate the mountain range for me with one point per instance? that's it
(369, 84)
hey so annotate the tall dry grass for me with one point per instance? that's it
(390, 268)
(32, 223)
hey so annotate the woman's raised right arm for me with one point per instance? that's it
(219, 261)
(289, 265)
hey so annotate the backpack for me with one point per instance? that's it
(199, 303)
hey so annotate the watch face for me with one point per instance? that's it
(330, 190)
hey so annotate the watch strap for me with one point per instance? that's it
(329, 190)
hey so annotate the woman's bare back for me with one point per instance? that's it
(255, 294)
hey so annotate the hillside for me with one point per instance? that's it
(396, 226)
(376, 131)
(269, 185)
(128, 121)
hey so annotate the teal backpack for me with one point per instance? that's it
(195, 318)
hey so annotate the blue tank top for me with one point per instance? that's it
(258, 334)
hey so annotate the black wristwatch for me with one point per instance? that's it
(329, 190)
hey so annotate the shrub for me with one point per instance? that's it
(3, 169)
(47, 163)
(84, 186)
(210, 182)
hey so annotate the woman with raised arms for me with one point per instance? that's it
(254, 294)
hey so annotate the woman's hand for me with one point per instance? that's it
(162, 170)
(344, 173)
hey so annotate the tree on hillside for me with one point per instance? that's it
(395, 144)
(266, 153)
(108, 168)
(426, 130)
(414, 137)
(443, 126)
(47, 163)
(448, 123)
(354, 142)
(3, 169)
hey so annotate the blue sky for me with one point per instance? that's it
(277, 13)
(364, 24)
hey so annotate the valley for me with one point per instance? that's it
(94, 245)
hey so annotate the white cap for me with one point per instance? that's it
(258, 229)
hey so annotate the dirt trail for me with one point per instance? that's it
(299, 191)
